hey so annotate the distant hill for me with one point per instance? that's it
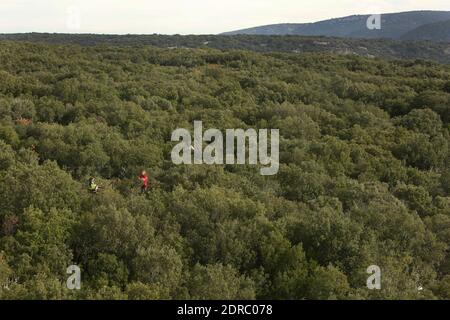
(438, 31)
(382, 48)
(393, 26)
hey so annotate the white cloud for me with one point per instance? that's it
(186, 16)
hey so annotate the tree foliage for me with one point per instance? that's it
(364, 176)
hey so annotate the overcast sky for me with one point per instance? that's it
(184, 16)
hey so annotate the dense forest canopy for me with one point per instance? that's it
(364, 175)
(383, 48)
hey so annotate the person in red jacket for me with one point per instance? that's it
(144, 179)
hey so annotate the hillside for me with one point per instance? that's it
(364, 175)
(394, 26)
(392, 49)
(438, 31)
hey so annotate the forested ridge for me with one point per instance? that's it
(364, 175)
(392, 26)
(382, 48)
